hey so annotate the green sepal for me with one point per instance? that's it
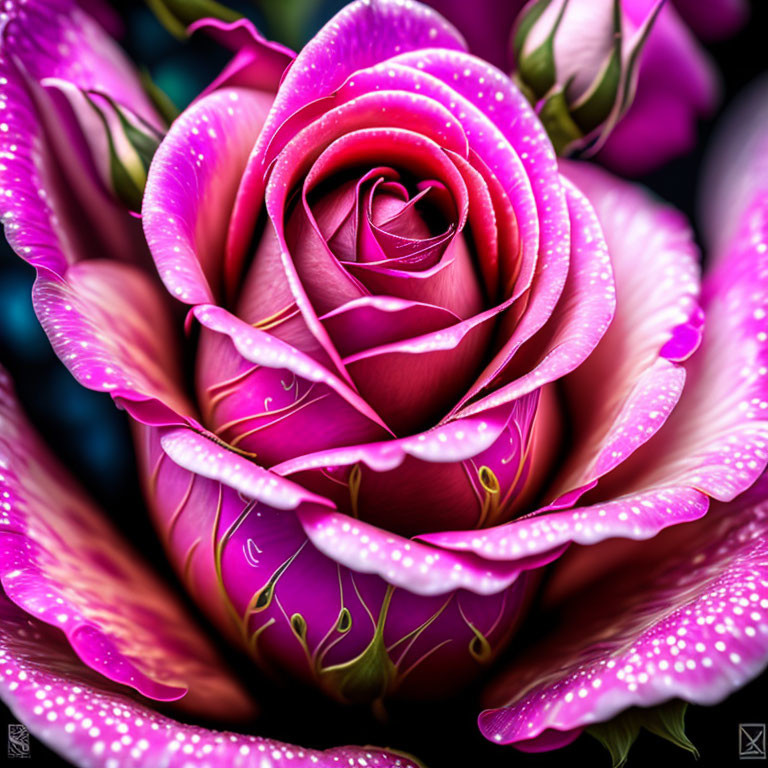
(177, 15)
(367, 677)
(595, 106)
(527, 18)
(537, 70)
(139, 141)
(556, 119)
(666, 720)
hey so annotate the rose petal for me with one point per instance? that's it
(405, 563)
(109, 324)
(50, 186)
(691, 626)
(191, 189)
(206, 458)
(634, 516)
(581, 317)
(61, 562)
(72, 711)
(466, 472)
(258, 63)
(373, 321)
(271, 399)
(632, 387)
(249, 565)
(326, 62)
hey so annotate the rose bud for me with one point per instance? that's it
(577, 61)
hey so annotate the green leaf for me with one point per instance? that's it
(666, 720)
(177, 15)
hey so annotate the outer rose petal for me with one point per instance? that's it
(692, 626)
(191, 189)
(249, 564)
(628, 380)
(715, 441)
(258, 63)
(109, 324)
(46, 174)
(118, 618)
(86, 719)
(577, 318)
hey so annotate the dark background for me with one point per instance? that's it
(92, 438)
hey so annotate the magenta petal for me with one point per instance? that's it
(325, 63)
(118, 618)
(191, 189)
(202, 456)
(582, 315)
(406, 563)
(50, 194)
(376, 320)
(109, 324)
(637, 516)
(268, 396)
(76, 714)
(629, 377)
(258, 63)
(715, 440)
(692, 626)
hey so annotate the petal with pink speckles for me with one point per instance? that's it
(691, 625)
(62, 563)
(193, 179)
(629, 379)
(209, 459)
(581, 317)
(96, 719)
(324, 64)
(52, 190)
(472, 471)
(405, 563)
(635, 516)
(109, 324)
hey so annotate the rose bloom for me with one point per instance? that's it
(422, 364)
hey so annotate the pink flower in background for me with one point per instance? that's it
(422, 361)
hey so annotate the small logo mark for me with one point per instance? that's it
(752, 741)
(18, 741)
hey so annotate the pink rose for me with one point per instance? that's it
(421, 362)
